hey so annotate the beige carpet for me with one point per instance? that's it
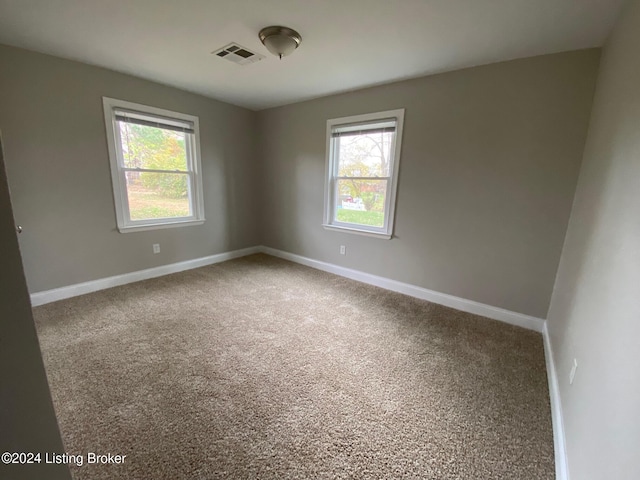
(260, 368)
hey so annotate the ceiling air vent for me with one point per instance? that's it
(238, 54)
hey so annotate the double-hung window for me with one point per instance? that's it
(363, 155)
(155, 166)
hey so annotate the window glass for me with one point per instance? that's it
(155, 166)
(362, 165)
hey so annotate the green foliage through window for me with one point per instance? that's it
(374, 219)
(155, 148)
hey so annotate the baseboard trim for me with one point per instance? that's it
(48, 296)
(469, 306)
(560, 452)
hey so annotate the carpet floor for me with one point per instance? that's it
(261, 368)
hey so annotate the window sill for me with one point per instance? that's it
(156, 226)
(357, 231)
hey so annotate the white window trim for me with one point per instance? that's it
(385, 232)
(118, 181)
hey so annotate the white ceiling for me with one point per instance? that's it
(346, 44)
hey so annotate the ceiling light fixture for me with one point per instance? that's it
(281, 41)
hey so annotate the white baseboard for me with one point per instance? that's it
(469, 306)
(562, 470)
(48, 296)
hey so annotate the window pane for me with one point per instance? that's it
(158, 195)
(152, 148)
(361, 202)
(364, 155)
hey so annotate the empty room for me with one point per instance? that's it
(320, 239)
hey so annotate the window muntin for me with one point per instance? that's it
(155, 166)
(362, 166)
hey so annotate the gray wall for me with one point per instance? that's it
(27, 419)
(58, 167)
(489, 164)
(490, 160)
(595, 310)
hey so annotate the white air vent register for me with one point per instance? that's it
(238, 54)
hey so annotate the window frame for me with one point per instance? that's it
(118, 170)
(331, 177)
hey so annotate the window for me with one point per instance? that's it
(155, 166)
(363, 153)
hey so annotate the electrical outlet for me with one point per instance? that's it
(156, 248)
(343, 250)
(572, 374)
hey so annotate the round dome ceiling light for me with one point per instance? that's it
(281, 41)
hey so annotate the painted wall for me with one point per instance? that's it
(27, 418)
(58, 167)
(595, 310)
(490, 160)
(489, 166)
